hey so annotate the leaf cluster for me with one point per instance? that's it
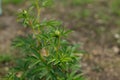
(48, 56)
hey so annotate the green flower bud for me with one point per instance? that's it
(24, 11)
(57, 33)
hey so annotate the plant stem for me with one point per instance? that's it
(38, 11)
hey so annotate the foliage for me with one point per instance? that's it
(12, 1)
(5, 58)
(47, 55)
(115, 5)
(81, 2)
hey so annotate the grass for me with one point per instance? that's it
(12, 1)
(5, 58)
(115, 5)
(81, 2)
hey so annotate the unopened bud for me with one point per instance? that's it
(57, 33)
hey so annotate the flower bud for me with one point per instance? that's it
(57, 33)
(24, 11)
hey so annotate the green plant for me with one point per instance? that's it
(81, 2)
(115, 5)
(48, 56)
(5, 58)
(85, 13)
(12, 1)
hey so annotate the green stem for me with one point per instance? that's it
(38, 10)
